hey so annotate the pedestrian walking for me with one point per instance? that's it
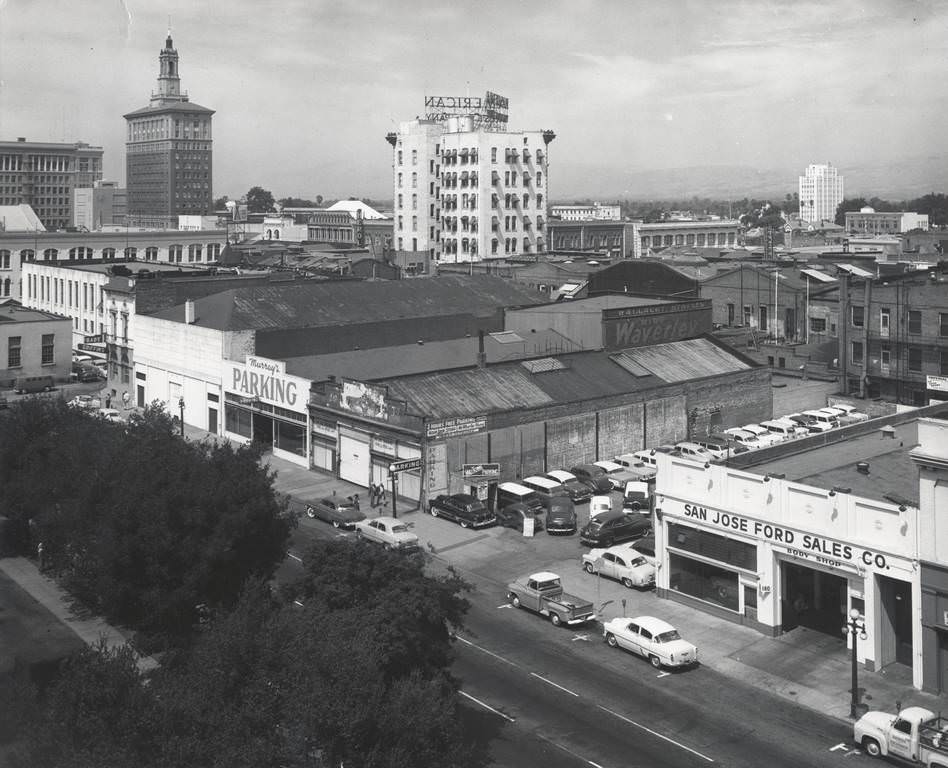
(376, 494)
(355, 501)
(125, 400)
(381, 495)
(40, 556)
(108, 401)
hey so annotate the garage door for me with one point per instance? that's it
(354, 461)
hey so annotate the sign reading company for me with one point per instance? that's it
(798, 544)
(266, 380)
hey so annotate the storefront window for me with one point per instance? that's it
(290, 437)
(703, 581)
(720, 548)
(237, 420)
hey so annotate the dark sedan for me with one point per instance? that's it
(341, 513)
(610, 528)
(595, 477)
(466, 510)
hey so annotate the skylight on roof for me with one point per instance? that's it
(543, 364)
(633, 367)
(506, 337)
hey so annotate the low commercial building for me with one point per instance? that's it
(33, 343)
(596, 211)
(868, 221)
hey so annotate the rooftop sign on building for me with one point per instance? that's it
(489, 112)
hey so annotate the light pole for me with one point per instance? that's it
(181, 406)
(856, 626)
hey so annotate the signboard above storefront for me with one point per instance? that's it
(405, 465)
(266, 380)
(937, 383)
(456, 427)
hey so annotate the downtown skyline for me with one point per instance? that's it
(305, 92)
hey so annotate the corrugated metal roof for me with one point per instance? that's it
(682, 360)
(854, 270)
(818, 275)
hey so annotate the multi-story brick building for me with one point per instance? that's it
(893, 336)
(168, 151)
(44, 176)
(466, 189)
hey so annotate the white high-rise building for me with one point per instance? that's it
(821, 192)
(467, 190)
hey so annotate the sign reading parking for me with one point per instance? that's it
(404, 465)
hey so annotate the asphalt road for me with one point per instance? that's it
(536, 695)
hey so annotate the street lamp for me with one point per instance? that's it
(181, 406)
(856, 626)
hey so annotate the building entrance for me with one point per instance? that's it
(812, 598)
(262, 430)
(896, 624)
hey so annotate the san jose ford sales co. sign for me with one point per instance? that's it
(799, 544)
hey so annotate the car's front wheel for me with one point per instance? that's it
(589, 567)
(463, 523)
(335, 523)
(627, 582)
(555, 619)
(872, 747)
(433, 511)
(655, 661)
(514, 601)
(358, 533)
(310, 512)
(611, 640)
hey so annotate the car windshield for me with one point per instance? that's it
(667, 637)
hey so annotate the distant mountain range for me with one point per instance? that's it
(904, 180)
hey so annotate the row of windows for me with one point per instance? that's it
(15, 350)
(700, 238)
(913, 358)
(175, 253)
(857, 317)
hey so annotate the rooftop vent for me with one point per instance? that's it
(543, 364)
(863, 467)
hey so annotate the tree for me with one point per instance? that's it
(141, 526)
(221, 203)
(259, 200)
(849, 204)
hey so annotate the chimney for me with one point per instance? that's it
(189, 311)
(481, 355)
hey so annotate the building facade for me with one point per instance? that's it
(596, 211)
(45, 175)
(868, 221)
(33, 343)
(720, 234)
(893, 336)
(103, 205)
(821, 192)
(464, 192)
(168, 148)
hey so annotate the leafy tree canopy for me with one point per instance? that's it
(300, 202)
(259, 200)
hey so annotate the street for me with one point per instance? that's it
(546, 696)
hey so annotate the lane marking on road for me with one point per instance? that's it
(656, 733)
(487, 707)
(484, 650)
(567, 750)
(505, 605)
(583, 637)
(297, 602)
(841, 745)
(555, 685)
(660, 675)
(295, 557)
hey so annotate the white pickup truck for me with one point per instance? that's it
(916, 735)
(542, 593)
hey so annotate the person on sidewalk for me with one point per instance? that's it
(40, 556)
(355, 501)
(125, 400)
(381, 495)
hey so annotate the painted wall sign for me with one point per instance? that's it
(797, 544)
(470, 471)
(647, 329)
(267, 381)
(461, 425)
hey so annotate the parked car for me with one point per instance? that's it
(621, 563)
(599, 505)
(515, 493)
(390, 532)
(85, 402)
(109, 414)
(464, 509)
(637, 497)
(852, 413)
(617, 474)
(593, 476)
(578, 491)
(560, 515)
(614, 527)
(633, 463)
(830, 420)
(811, 424)
(514, 515)
(89, 373)
(341, 513)
(656, 640)
(25, 385)
(786, 430)
(693, 451)
(763, 435)
(544, 487)
(747, 439)
(733, 445)
(719, 449)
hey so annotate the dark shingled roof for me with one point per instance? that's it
(313, 304)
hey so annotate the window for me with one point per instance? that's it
(13, 352)
(174, 252)
(414, 180)
(914, 321)
(885, 356)
(943, 324)
(858, 315)
(763, 317)
(884, 321)
(399, 158)
(915, 359)
(414, 157)
(493, 154)
(943, 363)
(4, 259)
(857, 353)
(47, 349)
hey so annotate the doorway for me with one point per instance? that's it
(896, 625)
(813, 599)
(212, 420)
(262, 431)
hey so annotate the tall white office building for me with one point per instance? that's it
(821, 192)
(465, 188)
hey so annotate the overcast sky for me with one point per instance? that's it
(305, 90)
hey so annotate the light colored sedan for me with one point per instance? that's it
(387, 531)
(621, 563)
(109, 414)
(656, 640)
(85, 402)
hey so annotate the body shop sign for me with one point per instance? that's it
(799, 544)
(267, 381)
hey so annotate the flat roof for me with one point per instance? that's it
(103, 267)
(598, 303)
(13, 311)
(892, 477)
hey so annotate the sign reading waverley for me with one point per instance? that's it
(260, 378)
